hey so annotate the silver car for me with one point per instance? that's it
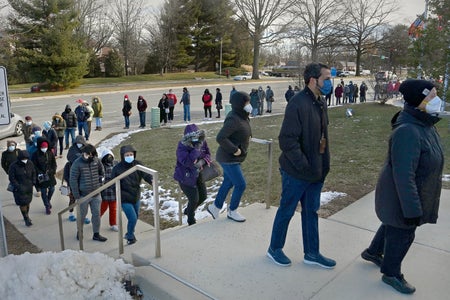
(14, 128)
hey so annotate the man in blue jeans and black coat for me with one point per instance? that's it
(304, 164)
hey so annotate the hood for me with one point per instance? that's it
(238, 100)
(80, 140)
(40, 140)
(23, 154)
(192, 134)
(57, 116)
(106, 152)
(68, 108)
(125, 149)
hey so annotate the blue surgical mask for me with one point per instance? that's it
(327, 87)
(11, 148)
(129, 159)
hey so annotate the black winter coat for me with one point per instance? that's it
(300, 136)
(45, 163)
(410, 182)
(235, 133)
(85, 176)
(69, 116)
(23, 178)
(129, 186)
(8, 157)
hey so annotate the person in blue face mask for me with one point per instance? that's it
(130, 188)
(304, 164)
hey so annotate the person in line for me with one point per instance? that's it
(163, 109)
(328, 97)
(109, 199)
(207, 99)
(289, 93)
(45, 164)
(142, 109)
(304, 164)
(71, 124)
(91, 116)
(59, 125)
(408, 190)
(218, 102)
(186, 101)
(172, 102)
(269, 99)
(28, 131)
(73, 153)
(36, 133)
(22, 176)
(233, 90)
(355, 93)
(97, 106)
(362, 92)
(9, 155)
(233, 139)
(192, 154)
(261, 96)
(52, 137)
(130, 188)
(82, 117)
(126, 111)
(254, 102)
(86, 175)
(338, 92)
(351, 92)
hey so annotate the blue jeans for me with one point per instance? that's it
(187, 112)
(132, 212)
(98, 122)
(127, 121)
(46, 194)
(393, 243)
(83, 126)
(232, 177)
(293, 191)
(142, 118)
(70, 131)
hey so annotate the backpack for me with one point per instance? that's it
(82, 113)
(347, 89)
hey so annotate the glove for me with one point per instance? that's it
(412, 221)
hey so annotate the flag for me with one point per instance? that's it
(416, 27)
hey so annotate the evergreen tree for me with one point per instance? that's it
(114, 65)
(47, 49)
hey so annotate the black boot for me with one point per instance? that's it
(28, 222)
(98, 237)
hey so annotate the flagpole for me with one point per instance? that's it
(425, 16)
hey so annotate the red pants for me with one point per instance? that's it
(112, 211)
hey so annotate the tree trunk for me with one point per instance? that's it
(256, 50)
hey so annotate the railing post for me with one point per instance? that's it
(269, 177)
(80, 227)
(119, 216)
(156, 214)
(61, 233)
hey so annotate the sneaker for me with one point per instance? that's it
(319, 260)
(213, 210)
(131, 241)
(376, 259)
(28, 222)
(98, 237)
(399, 283)
(87, 221)
(279, 257)
(235, 216)
(72, 218)
(114, 228)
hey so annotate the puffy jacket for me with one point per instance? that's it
(191, 149)
(59, 124)
(300, 135)
(44, 163)
(236, 131)
(410, 181)
(85, 176)
(69, 116)
(97, 107)
(129, 186)
(141, 104)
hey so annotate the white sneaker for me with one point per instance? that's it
(213, 210)
(209, 119)
(114, 228)
(235, 216)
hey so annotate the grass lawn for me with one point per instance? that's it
(358, 149)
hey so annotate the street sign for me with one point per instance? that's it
(333, 72)
(5, 116)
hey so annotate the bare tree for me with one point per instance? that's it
(315, 24)
(127, 19)
(363, 21)
(266, 22)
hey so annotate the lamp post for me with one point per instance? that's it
(220, 58)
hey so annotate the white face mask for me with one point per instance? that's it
(248, 108)
(434, 105)
(79, 146)
(24, 161)
(37, 133)
(28, 123)
(11, 148)
(44, 149)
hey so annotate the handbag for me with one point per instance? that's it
(64, 189)
(166, 111)
(210, 171)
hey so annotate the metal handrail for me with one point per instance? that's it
(269, 169)
(116, 181)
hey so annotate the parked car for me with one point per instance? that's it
(340, 73)
(14, 128)
(243, 77)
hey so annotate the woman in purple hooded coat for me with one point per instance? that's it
(192, 154)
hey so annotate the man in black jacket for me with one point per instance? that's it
(304, 164)
(86, 175)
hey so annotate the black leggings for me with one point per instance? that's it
(207, 108)
(196, 195)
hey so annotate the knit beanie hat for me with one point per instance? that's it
(35, 128)
(28, 118)
(11, 143)
(415, 90)
(44, 145)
